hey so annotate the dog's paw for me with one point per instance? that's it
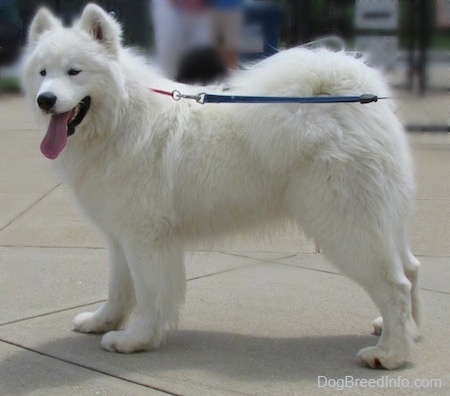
(377, 358)
(90, 322)
(124, 342)
(377, 326)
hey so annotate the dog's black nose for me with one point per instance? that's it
(46, 100)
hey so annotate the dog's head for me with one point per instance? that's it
(71, 73)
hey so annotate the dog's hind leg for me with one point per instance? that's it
(360, 241)
(120, 297)
(357, 212)
(378, 268)
(159, 280)
(411, 268)
(390, 289)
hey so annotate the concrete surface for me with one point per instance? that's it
(261, 317)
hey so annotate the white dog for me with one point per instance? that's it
(154, 174)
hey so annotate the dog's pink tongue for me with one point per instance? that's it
(56, 138)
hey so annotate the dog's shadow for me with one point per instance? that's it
(212, 354)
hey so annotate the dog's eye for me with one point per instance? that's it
(43, 73)
(73, 72)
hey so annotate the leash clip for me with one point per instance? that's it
(199, 98)
(368, 98)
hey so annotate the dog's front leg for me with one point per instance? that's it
(157, 271)
(120, 296)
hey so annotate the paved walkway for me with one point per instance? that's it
(261, 318)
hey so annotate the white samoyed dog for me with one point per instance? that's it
(154, 174)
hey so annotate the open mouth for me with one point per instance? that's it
(78, 114)
(61, 126)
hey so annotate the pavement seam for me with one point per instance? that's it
(103, 300)
(190, 251)
(339, 274)
(51, 313)
(433, 199)
(309, 268)
(434, 291)
(53, 247)
(257, 262)
(242, 254)
(29, 207)
(89, 368)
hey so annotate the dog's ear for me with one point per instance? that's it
(43, 21)
(102, 27)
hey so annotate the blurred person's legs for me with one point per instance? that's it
(167, 24)
(197, 29)
(199, 64)
(228, 25)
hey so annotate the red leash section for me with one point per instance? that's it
(160, 91)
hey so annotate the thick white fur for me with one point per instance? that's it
(154, 174)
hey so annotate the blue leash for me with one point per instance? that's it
(367, 98)
(203, 98)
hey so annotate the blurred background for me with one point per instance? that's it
(408, 39)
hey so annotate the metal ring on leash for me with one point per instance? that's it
(176, 95)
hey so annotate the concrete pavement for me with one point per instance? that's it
(261, 317)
